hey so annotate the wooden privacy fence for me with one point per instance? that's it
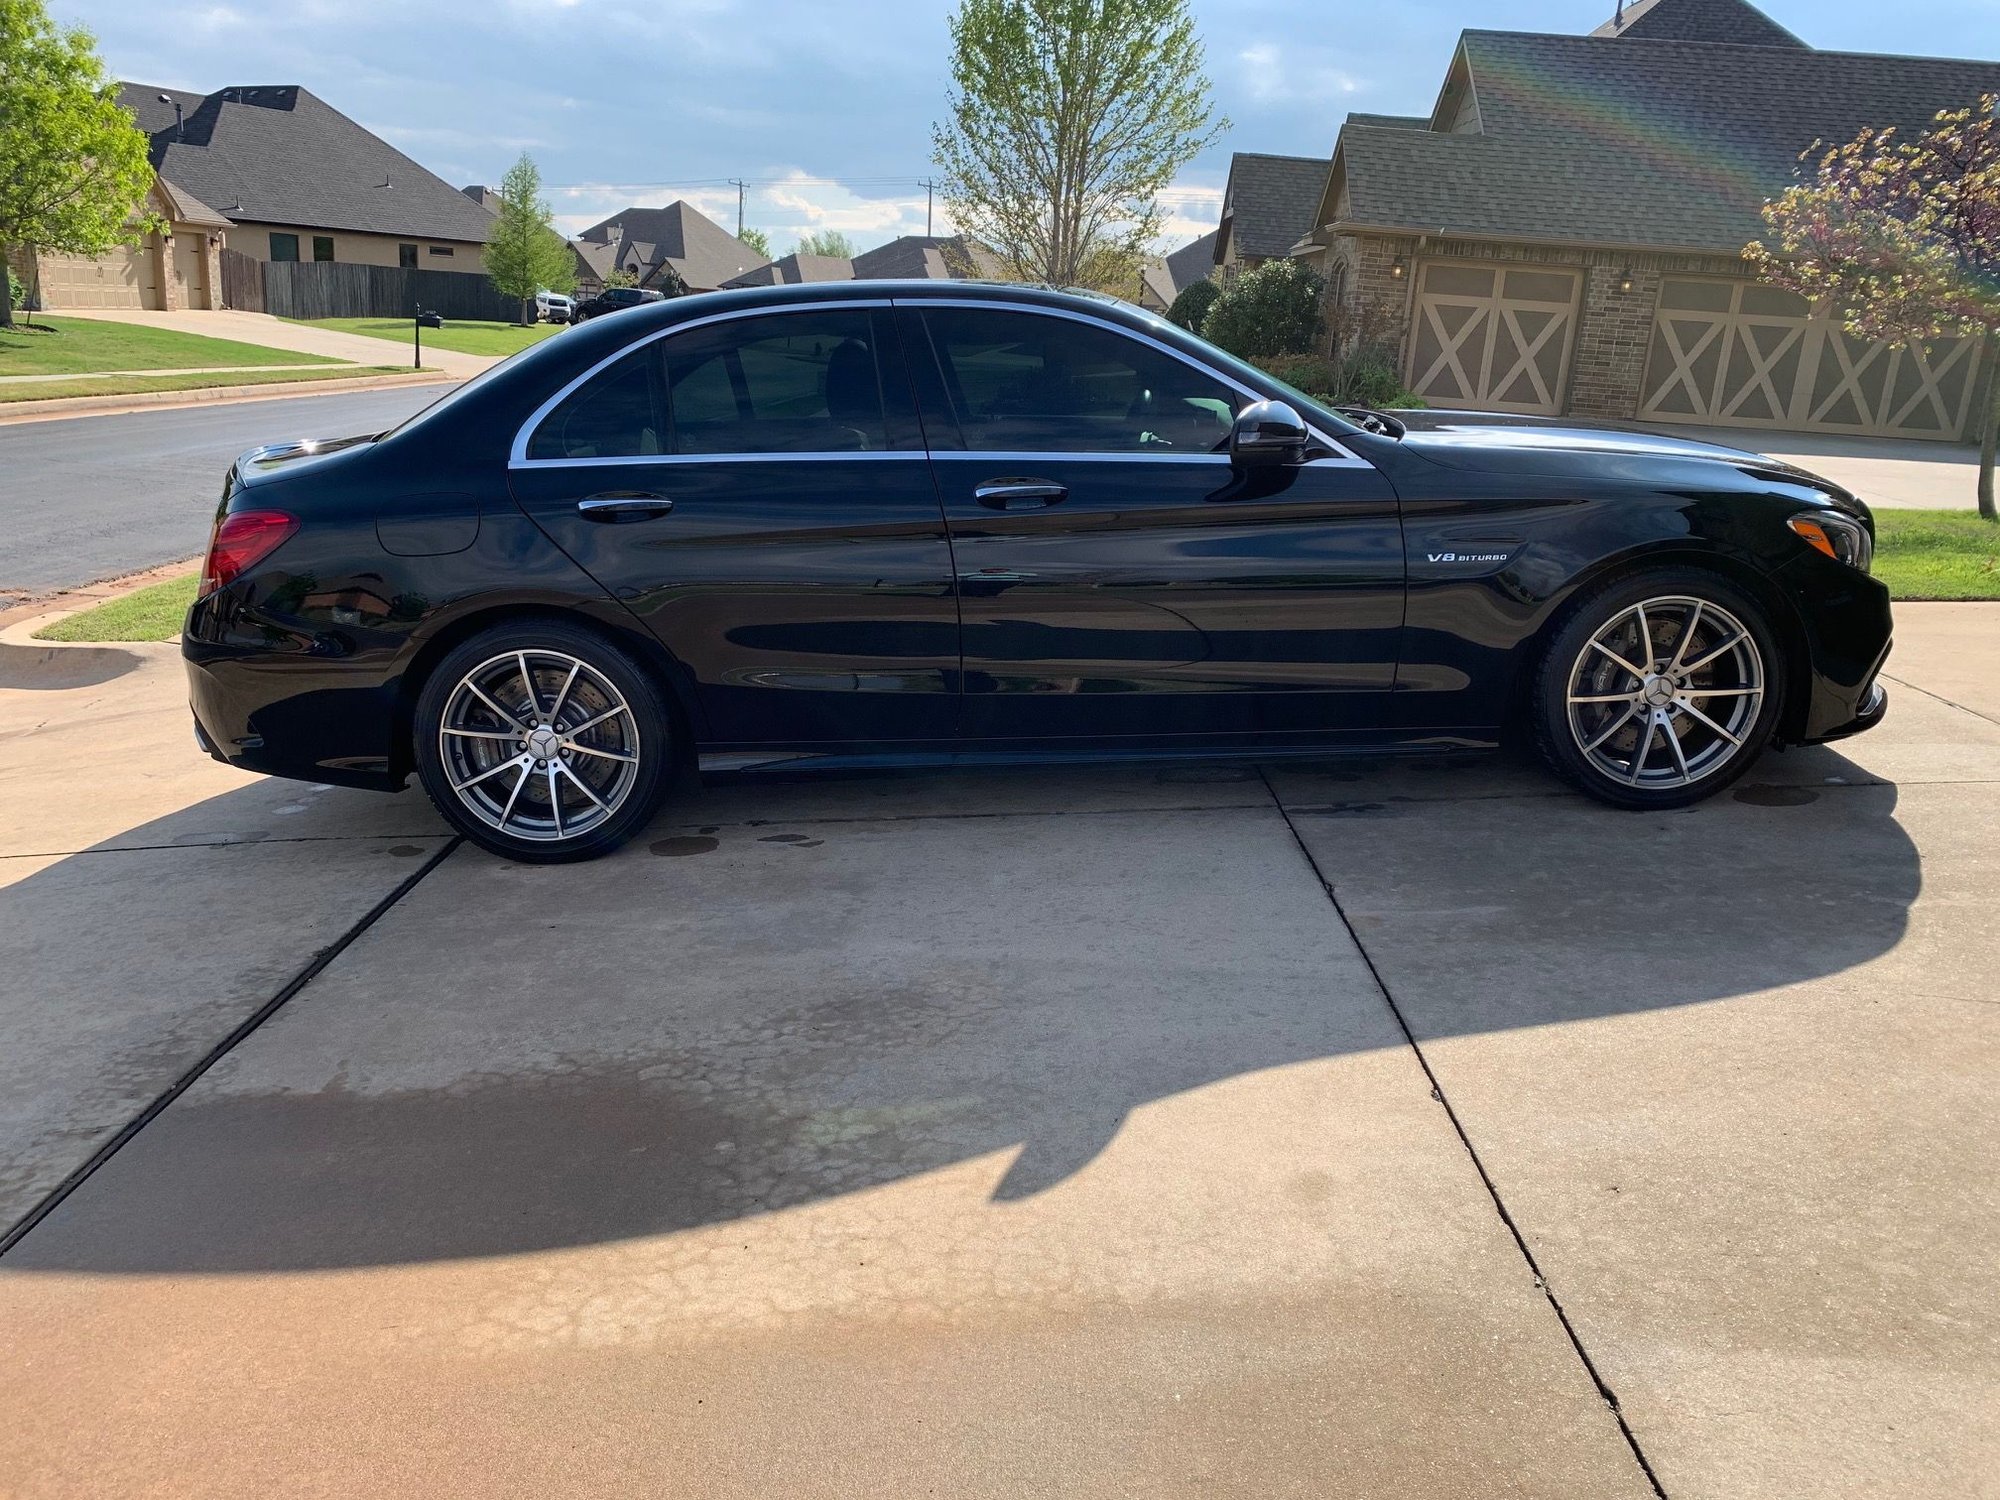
(337, 289)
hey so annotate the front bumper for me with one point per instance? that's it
(1874, 709)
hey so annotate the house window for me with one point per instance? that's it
(322, 247)
(440, 249)
(406, 257)
(284, 247)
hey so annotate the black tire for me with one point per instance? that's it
(1720, 716)
(604, 727)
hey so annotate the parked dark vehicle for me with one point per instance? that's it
(613, 299)
(924, 523)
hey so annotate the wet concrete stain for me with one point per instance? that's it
(1776, 796)
(1353, 810)
(674, 848)
(795, 840)
(1204, 775)
(405, 851)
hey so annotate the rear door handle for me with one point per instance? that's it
(621, 507)
(1020, 494)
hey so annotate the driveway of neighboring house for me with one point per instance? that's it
(278, 333)
(1415, 1130)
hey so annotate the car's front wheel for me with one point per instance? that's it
(543, 742)
(1659, 689)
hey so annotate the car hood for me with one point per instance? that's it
(1564, 446)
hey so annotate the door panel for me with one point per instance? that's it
(763, 505)
(1162, 594)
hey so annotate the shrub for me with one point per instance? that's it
(1272, 309)
(1362, 377)
(1193, 303)
(16, 293)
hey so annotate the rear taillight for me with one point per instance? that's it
(241, 541)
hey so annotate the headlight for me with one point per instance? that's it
(1840, 537)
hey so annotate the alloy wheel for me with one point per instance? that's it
(1666, 692)
(539, 745)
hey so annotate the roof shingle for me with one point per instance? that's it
(1270, 201)
(701, 251)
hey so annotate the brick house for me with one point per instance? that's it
(1562, 234)
(647, 243)
(1267, 203)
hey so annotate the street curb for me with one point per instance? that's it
(45, 607)
(82, 406)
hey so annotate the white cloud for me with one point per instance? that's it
(1295, 73)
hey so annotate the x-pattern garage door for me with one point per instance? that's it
(1493, 337)
(1742, 354)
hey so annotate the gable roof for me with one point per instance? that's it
(701, 251)
(795, 269)
(1269, 202)
(1194, 261)
(278, 154)
(928, 257)
(1734, 21)
(1666, 144)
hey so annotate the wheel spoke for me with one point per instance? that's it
(483, 734)
(1645, 639)
(459, 786)
(1687, 638)
(1693, 712)
(528, 682)
(1619, 723)
(1696, 666)
(609, 713)
(1641, 676)
(1695, 692)
(563, 696)
(1638, 767)
(1574, 698)
(587, 790)
(617, 755)
(1680, 755)
(513, 796)
(555, 800)
(480, 693)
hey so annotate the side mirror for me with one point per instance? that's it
(1266, 433)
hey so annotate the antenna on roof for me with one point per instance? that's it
(1618, 21)
(169, 99)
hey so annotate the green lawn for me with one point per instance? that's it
(1937, 554)
(151, 614)
(80, 345)
(461, 338)
(128, 385)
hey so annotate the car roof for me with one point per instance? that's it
(805, 294)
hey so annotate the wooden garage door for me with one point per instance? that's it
(1493, 337)
(1740, 354)
(125, 276)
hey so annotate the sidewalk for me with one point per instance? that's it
(301, 338)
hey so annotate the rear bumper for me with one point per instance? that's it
(329, 726)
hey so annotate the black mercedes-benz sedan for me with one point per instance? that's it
(889, 524)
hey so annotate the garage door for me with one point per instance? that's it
(1744, 355)
(1493, 337)
(125, 276)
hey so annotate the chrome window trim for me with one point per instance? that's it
(517, 457)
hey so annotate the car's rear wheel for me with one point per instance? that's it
(543, 742)
(1659, 689)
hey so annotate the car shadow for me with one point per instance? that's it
(691, 1070)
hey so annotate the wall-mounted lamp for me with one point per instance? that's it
(1625, 280)
(1398, 268)
(214, 240)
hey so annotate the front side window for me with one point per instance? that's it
(322, 247)
(616, 414)
(284, 247)
(1023, 382)
(804, 382)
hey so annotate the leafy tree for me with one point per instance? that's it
(620, 277)
(826, 242)
(1067, 119)
(757, 240)
(1193, 303)
(74, 171)
(1903, 235)
(524, 253)
(1270, 309)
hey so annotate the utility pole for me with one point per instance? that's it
(929, 186)
(739, 185)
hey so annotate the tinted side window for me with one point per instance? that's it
(614, 415)
(805, 382)
(1030, 383)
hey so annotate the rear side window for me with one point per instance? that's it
(1025, 382)
(805, 382)
(616, 414)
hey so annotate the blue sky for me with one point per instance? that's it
(826, 104)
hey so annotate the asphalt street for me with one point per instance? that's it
(87, 498)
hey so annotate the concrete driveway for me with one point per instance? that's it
(1888, 473)
(1413, 1130)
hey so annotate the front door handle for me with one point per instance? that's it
(1020, 494)
(621, 507)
